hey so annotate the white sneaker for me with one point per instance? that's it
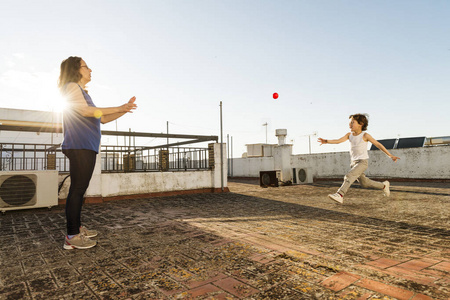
(336, 197)
(386, 190)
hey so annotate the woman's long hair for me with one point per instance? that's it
(70, 71)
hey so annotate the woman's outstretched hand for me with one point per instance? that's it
(129, 106)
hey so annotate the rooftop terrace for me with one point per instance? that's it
(252, 243)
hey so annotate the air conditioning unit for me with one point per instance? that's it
(269, 178)
(28, 189)
(302, 175)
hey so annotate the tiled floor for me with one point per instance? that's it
(252, 243)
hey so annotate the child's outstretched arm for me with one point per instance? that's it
(380, 146)
(338, 141)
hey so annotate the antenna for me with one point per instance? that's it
(265, 124)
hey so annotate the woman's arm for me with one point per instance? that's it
(338, 141)
(76, 101)
(111, 117)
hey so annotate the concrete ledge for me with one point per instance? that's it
(321, 179)
(93, 200)
(242, 178)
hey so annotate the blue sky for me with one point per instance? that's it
(325, 59)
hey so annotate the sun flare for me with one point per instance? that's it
(57, 105)
(55, 101)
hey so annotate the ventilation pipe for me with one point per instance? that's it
(281, 134)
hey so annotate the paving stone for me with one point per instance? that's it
(340, 281)
(358, 293)
(421, 297)
(167, 285)
(280, 292)
(66, 275)
(385, 289)
(205, 278)
(443, 266)
(204, 291)
(235, 287)
(15, 291)
(150, 295)
(306, 275)
(416, 264)
(384, 263)
(43, 283)
(412, 275)
(12, 275)
(308, 290)
(77, 291)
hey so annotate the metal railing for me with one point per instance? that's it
(129, 158)
(23, 156)
(20, 156)
(135, 159)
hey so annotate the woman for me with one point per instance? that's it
(81, 121)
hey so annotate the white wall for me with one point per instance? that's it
(116, 184)
(427, 162)
(135, 183)
(250, 167)
(216, 178)
(323, 165)
(414, 163)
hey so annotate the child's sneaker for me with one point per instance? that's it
(79, 241)
(336, 197)
(386, 190)
(88, 233)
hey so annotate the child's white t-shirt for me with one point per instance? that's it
(358, 149)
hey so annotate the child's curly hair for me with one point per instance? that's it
(362, 119)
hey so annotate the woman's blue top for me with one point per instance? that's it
(81, 132)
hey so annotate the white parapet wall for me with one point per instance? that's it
(323, 165)
(142, 184)
(119, 184)
(414, 163)
(420, 163)
(251, 166)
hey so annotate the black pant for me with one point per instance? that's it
(82, 163)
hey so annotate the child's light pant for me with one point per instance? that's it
(357, 173)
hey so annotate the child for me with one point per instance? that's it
(359, 155)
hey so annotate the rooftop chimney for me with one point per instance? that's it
(281, 134)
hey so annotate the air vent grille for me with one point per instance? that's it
(18, 190)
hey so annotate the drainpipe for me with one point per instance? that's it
(221, 149)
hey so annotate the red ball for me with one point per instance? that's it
(275, 95)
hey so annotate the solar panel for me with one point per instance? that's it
(413, 142)
(388, 144)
